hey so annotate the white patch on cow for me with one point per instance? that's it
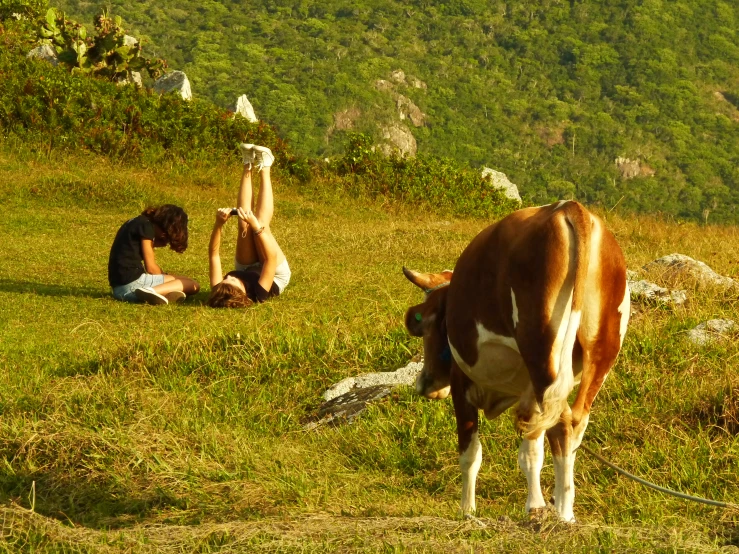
(564, 486)
(514, 315)
(469, 462)
(499, 366)
(624, 311)
(560, 204)
(531, 460)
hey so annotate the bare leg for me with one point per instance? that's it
(177, 282)
(266, 208)
(266, 203)
(246, 250)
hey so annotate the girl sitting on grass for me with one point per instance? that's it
(134, 281)
(261, 269)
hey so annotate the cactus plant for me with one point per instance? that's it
(106, 55)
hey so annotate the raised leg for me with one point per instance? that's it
(266, 203)
(470, 449)
(246, 250)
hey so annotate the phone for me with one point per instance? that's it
(234, 211)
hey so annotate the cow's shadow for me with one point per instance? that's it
(99, 503)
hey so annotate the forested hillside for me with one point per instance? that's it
(549, 92)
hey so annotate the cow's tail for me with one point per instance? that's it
(579, 234)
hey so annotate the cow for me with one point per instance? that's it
(536, 304)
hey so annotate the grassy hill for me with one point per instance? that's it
(133, 428)
(550, 92)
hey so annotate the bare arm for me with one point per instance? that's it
(150, 264)
(214, 248)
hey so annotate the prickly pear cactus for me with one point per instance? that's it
(107, 55)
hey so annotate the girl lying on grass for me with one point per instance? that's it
(261, 270)
(133, 272)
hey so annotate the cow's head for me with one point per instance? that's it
(428, 320)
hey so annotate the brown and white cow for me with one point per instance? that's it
(537, 303)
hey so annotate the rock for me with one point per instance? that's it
(398, 76)
(398, 140)
(678, 267)
(345, 119)
(135, 79)
(406, 108)
(644, 291)
(403, 376)
(44, 52)
(500, 181)
(711, 330)
(348, 398)
(244, 108)
(383, 85)
(416, 83)
(176, 81)
(633, 168)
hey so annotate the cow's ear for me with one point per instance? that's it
(414, 320)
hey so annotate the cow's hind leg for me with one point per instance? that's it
(470, 449)
(563, 441)
(531, 453)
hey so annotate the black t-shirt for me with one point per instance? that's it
(126, 259)
(254, 290)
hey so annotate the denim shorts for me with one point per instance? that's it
(127, 293)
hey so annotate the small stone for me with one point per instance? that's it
(711, 331)
(44, 52)
(176, 81)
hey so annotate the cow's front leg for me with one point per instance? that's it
(470, 450)
(531, 460)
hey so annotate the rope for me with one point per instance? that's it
(657, 487)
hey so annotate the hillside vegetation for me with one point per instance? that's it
(180, 428)
(548, 92)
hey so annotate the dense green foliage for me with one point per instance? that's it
(48, 105)
(548, 92)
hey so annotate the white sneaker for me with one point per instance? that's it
(175, 296)
(150, 296)
(263, 155)
(247, 154)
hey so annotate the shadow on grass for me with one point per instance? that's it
(45, 289)
(99, 503)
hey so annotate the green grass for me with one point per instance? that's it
(179, 428)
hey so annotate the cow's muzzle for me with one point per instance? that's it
(430, 388)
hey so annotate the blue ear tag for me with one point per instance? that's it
(419, 317)
(446, 354)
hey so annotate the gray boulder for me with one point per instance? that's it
(44, 52)
(711, 331)
(500, 181)
(403, 376)
(176, 81)
(245, 109)
(407, 109)
(398, 140)
(644, 291)
(681, 267)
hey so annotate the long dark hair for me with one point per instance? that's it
(173, 221)
(225, 295)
